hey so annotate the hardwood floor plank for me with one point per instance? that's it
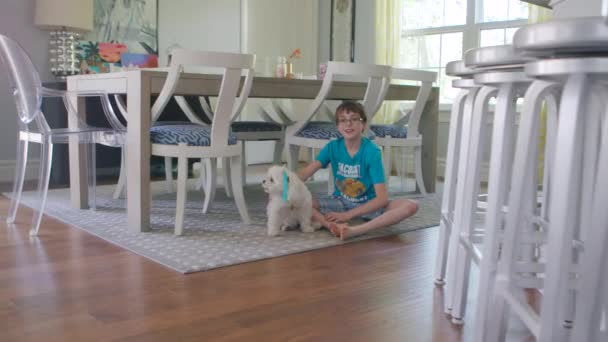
(68, 285)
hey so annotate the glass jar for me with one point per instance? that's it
(281, 68)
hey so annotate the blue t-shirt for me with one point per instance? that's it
(354, 177)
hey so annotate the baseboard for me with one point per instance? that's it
(7, 170)
(484, 172)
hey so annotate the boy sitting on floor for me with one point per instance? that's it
(360, 188)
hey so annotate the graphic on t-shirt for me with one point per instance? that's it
(350, 187)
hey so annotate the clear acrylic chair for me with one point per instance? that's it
(28, 93)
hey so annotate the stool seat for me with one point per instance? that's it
(563, 38)
(458, 69)
(561, 67)
(494, 56)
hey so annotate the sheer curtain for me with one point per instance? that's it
(388, 41)
(538, 15)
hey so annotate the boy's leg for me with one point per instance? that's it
(396, 211)
(316, 214)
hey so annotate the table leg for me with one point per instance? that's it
(79, 191)
(138, 152)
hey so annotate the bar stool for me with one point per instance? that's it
(574, 68)
(460, 114)
(501, 76)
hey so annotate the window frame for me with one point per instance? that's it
(471, 30)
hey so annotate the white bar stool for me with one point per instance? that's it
(463, 103)
(570, 209)
(501, 77)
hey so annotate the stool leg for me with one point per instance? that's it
(464, 215)
(449, 188)
(496, 322)
(587, 319)
(460, 175)
(564, 200)
(503, 134)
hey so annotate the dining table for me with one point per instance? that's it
(140, 85)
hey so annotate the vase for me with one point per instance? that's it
(289, 70)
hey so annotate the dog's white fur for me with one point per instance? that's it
(298, 207)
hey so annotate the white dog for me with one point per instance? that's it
(290, 202)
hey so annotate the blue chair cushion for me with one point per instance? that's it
(192, 134)
(255, 126)
(393, 131)
(321, 130)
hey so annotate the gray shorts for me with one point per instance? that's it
(330, 203)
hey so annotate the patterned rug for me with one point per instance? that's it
(211, 240)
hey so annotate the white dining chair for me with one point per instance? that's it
(197, 141)
(315, 134)
(403, 133)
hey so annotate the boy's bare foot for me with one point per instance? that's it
(340, 230)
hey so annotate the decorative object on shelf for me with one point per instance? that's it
(281, 68)
(295, 54)
(130, 22)
(67, 20)
(342, 37)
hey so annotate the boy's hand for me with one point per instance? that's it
(337, 217)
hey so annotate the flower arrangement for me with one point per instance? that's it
(295, 54)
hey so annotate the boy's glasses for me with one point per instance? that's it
(349, 121)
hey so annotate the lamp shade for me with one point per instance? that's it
(74, 15)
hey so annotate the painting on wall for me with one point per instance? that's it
(130, 22)
(342, 39)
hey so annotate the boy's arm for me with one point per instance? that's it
(309, 170)
(380, 201)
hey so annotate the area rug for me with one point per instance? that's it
(211, 240)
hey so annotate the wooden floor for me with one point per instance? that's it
(67, 285)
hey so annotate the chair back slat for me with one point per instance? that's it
(426, 79)
(228, 104)
(378, 80)
(24, 81)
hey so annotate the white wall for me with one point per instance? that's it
(17, 22)
(199, 24)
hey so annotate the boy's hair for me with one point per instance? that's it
(353, 107)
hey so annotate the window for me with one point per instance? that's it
(435, 32)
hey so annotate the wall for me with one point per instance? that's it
(17, 22)
(199, 24)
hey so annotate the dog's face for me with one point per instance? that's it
(273, 182)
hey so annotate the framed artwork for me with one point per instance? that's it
(342, 38)
(130, 22)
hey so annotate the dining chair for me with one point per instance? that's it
(315, 134)
(198, 141)
(28, 93)
(403, 133)
(269, 128)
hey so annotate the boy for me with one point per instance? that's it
(360, 189)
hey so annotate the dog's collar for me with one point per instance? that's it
(285, 186)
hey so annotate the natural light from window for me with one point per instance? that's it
(435, 32)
